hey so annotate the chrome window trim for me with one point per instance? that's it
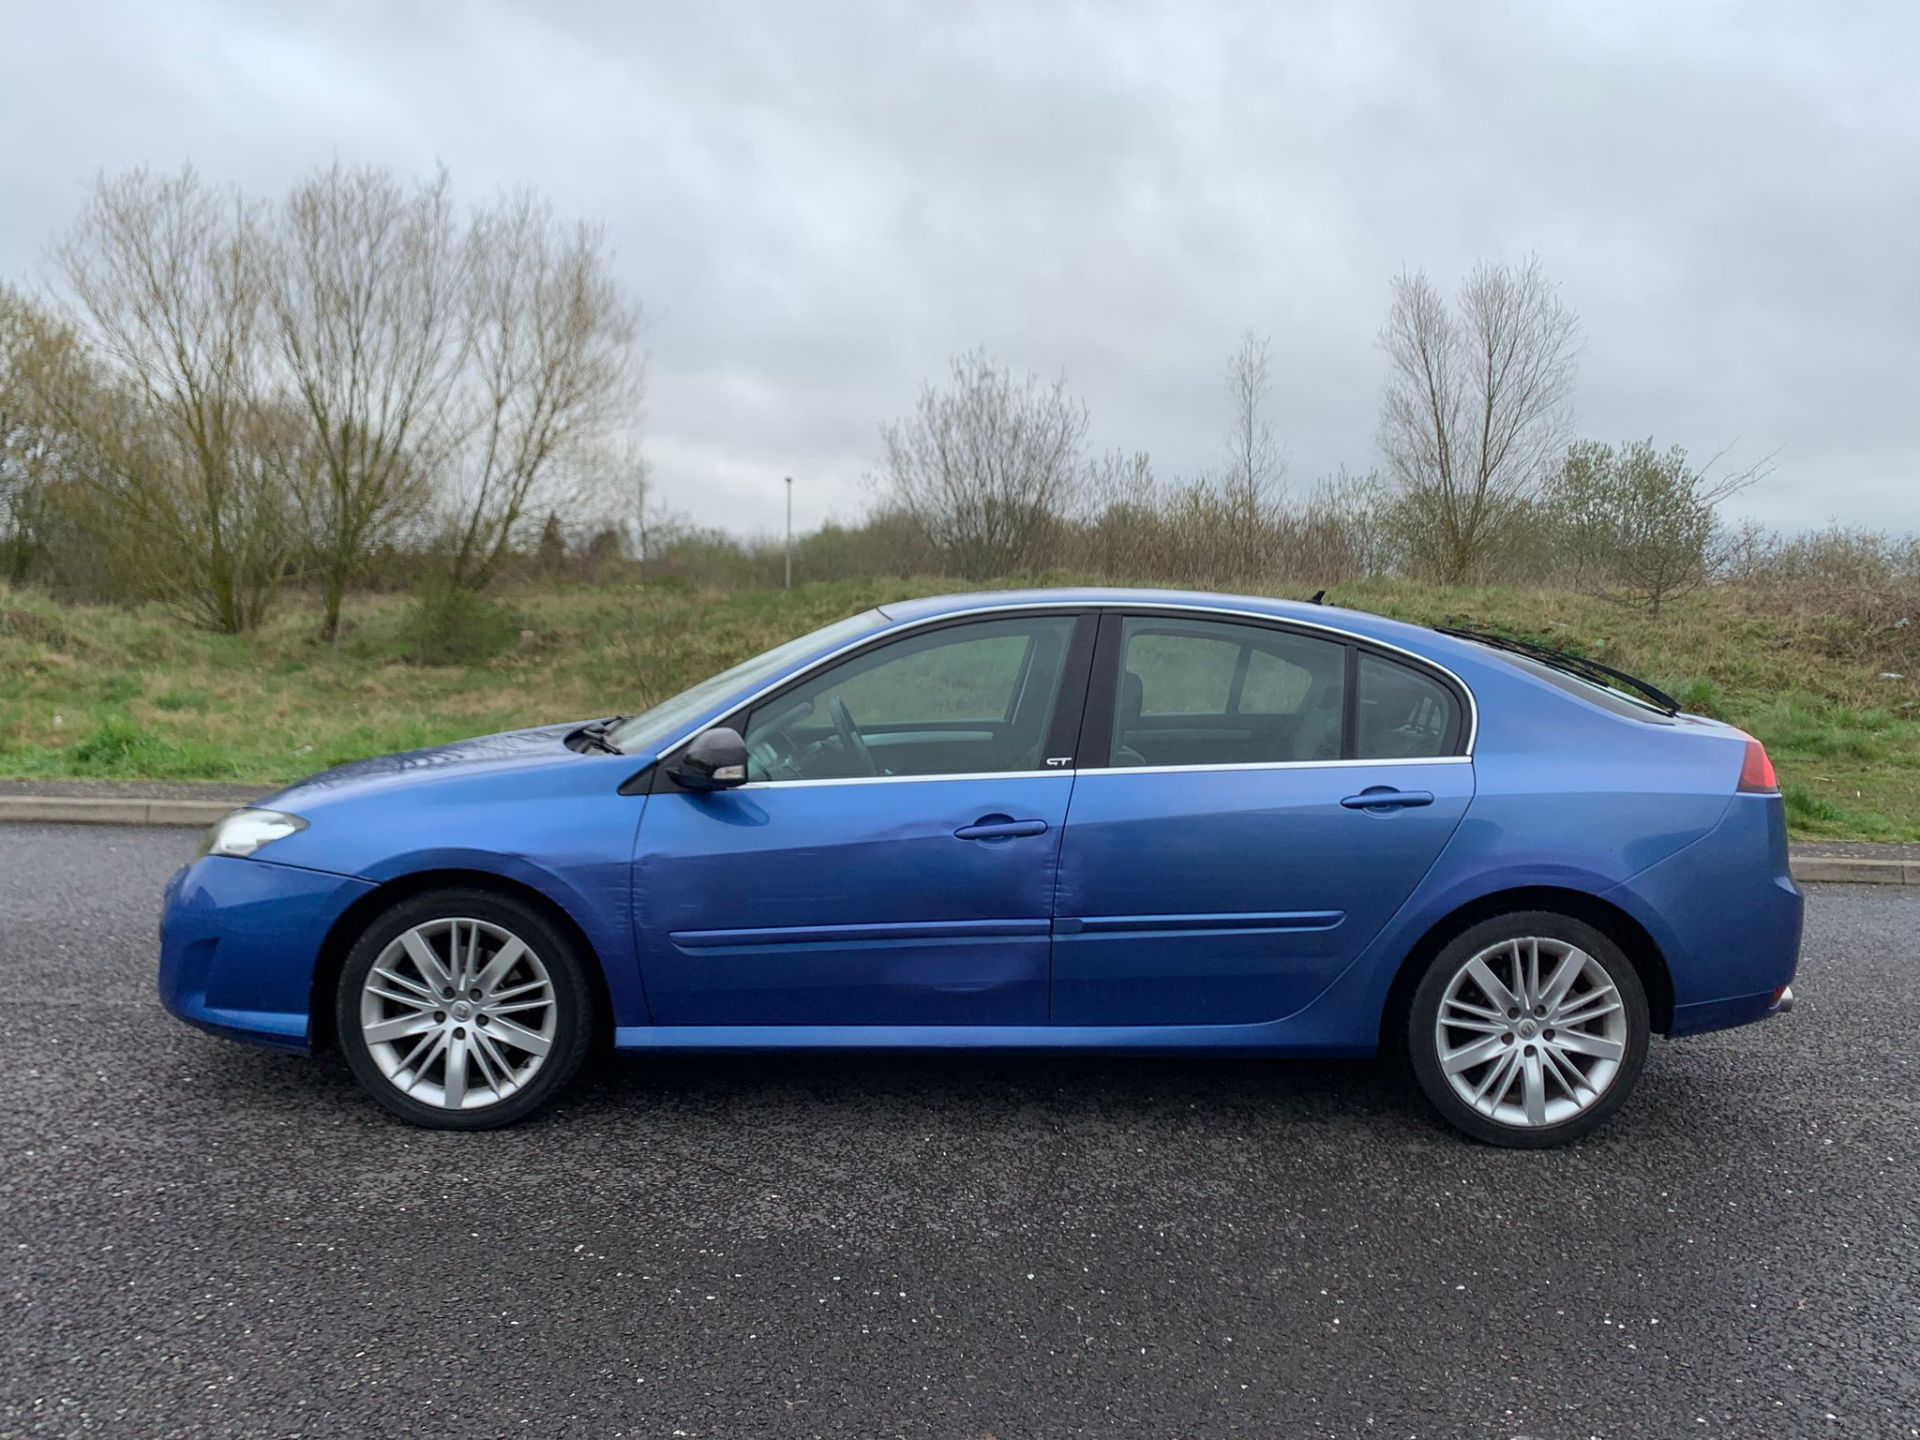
(1101, 607)
(1062, 774)
(1273, 765)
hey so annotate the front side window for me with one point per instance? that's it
(965, 699)
(1206, 692)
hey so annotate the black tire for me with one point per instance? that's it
(1421, 1042)
(573, 1005)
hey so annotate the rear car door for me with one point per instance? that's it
(891, 859)
(1254, 802)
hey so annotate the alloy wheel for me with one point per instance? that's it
(1531, 1032)
(458, 1014)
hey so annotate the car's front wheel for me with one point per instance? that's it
(1528, 1029)
(464, 1009)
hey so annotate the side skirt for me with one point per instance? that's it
(1275, 1038)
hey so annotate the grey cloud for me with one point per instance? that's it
(819, 205)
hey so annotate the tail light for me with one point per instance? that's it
(1756, 771)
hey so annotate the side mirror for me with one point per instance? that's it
(714, 759)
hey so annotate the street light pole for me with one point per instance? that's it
(789, 532)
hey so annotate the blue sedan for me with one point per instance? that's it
(1053, 820)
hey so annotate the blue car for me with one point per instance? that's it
(1053, 820)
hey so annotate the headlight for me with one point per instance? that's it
(245, 831)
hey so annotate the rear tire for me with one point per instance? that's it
(1528, 1030)
(464, 1009)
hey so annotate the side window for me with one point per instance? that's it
(1275, 685)
(1182, 673)
(961, 699)
(1205, 692)
(1403, 713)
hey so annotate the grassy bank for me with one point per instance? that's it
(134, 694)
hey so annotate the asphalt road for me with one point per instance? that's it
(200, 1239)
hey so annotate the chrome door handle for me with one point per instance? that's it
(986, 829)
(1385, 797)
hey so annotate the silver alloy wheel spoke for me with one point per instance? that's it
(458, 1013)
(1531, 1031)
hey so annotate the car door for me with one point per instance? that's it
(891, 859)
(1253, 803)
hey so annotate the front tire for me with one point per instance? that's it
(463, 1009)
(1528, 1030)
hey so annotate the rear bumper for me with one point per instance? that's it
(238, 943)
(1727, 916)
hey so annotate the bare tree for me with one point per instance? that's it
(34, 455)
(988, 464)
(1255, 469)
(366, 285)
(550, 375)
(1641, 523)
(167, 276)
(1475, 406)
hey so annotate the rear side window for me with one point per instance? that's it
(1402, 713)
(1204, 692)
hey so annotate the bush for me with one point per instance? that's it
(453, 625)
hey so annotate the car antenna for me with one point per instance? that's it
(1319, 598)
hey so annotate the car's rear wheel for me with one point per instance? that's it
(464, 1010)
(1528, 1029)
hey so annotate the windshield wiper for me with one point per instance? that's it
(594, 736)
(1581, 666)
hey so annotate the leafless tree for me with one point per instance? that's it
(366, 282)
(1475, 406)
(1255, 468)
(33, 455)
(549, 376)
(987, 464)
(167, 276)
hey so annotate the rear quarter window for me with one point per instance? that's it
(1402, 713)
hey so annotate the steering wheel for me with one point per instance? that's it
(850, 738)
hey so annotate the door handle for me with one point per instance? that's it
(1382, 798)
(994, 828)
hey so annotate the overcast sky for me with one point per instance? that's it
(819, 204)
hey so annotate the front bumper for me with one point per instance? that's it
(239, 940)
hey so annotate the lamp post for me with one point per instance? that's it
(789, 532)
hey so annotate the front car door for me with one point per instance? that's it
(1253, 802)
(891, 859)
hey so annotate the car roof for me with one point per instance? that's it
(1355, 622)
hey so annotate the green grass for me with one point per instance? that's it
(134, 694)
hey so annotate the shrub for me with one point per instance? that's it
(454, 625)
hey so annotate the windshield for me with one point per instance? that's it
(665, 721)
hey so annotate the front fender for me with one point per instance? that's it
(594, 893)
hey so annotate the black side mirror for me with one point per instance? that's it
(714, 759)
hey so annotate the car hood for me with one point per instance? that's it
(511, 749)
